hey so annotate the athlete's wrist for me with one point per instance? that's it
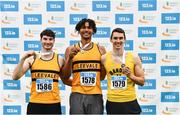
(131, 76)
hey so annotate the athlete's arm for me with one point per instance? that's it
(61, 64)
(103, 58)
(69, 54)
(138, 76)
(23, 65)
(103, 71)
(67, 81)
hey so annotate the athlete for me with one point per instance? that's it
(123, 70)
(84, 61)
(45, 68)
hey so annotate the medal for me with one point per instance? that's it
(123, 65)
(82, 51)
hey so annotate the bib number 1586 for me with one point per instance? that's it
(44, 85)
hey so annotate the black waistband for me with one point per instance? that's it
(54, 80)
(45, 71)
(87, 61)
(86, 70)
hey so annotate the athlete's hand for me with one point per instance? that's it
(126, 70)
(73, 52)
(28, 54)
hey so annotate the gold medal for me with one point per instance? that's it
(82, 51)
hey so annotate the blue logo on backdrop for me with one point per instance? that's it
(12, 110)
(60, 32)
(147, 5)
(169, 71)
(10, 32)
(75, 18)
(73, 42)
(11, 84)
(61, 85)
(149, 84)
(170, 18)
(148, 109)
(27, 96)
(8, 5)
(102, 32)
(32, 45)
(123, 18)
(10, 58)
(169, 96)
(169, 44)
(101, 5)
(104, 85)
(32, 19)
(129, 45)
(148, 58)
(146, 31)
(55, 6)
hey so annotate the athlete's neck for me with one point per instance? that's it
(46, 54)
(85, 41)
(118, 53)
(44, 50)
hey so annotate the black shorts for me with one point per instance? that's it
(131, 107)
(37, 108)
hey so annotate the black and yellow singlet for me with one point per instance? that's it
(86, 71)
(45, 75)
(120, 87)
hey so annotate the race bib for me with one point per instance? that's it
(44, 85)
(88, 78)
(118, 82)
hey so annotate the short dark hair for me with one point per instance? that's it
(119, 30)
(83, 21)
(47, 32)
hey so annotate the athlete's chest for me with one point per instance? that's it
(87, 55)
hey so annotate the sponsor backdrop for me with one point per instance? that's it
(152, 28)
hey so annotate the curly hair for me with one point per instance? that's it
(81, 23)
